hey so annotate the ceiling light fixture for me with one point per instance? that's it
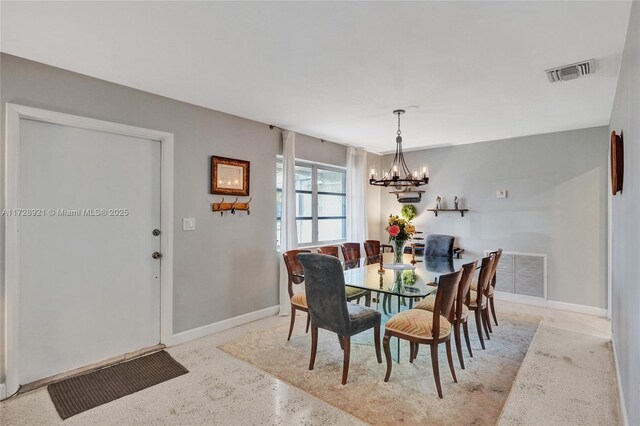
(399, 176)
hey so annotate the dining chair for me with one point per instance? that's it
(351, 251)
(492, 288)
(439, 245)
(477, 300)
(329, 309)
(461, 309)
(295, 277)
(419, 326)
(371, 248)
(329, 250)
(353, 293)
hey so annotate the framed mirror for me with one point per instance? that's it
(229, 176)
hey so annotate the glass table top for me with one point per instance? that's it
(418, 282)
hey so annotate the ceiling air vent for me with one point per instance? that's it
(570, 72)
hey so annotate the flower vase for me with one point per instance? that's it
(398, 251)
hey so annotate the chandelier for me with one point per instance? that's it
(399, 176)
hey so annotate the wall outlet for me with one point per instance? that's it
(501, 194)
(188, 223)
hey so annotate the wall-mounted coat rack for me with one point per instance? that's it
(231, 207)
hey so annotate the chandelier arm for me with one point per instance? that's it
(405, 167)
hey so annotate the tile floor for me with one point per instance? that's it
(568, 371)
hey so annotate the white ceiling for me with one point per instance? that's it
(337, 70)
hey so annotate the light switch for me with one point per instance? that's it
(501, 194)
(188, 223)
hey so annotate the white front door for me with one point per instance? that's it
(89, 288)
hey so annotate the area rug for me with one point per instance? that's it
(410, 396)
(81, 393)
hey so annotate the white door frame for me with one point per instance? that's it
(15, 113)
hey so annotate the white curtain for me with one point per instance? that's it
(288, 229)
(356, 195)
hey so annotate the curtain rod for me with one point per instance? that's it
(272, 126)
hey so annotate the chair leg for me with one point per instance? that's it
(341, 342)
(436, 367)
(376, 341)
(367, 299)
(347, 353)
(308, 322)
(488, 319)
(358, 300)
(415, 352)
(465, 328)
(493, 310)
(450, 360)
(293, 321)
(485, 320)
(479, 327)
(314, 346)
(456, 335)
(387, 355)
(412, 351)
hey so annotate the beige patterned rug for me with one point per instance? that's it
(410, 395)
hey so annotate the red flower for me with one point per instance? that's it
(394, 230)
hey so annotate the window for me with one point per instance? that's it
(321, 203)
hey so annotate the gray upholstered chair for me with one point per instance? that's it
(329, 310)
(439, 246)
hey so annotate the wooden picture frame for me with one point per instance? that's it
(229, 176)
(617, 162)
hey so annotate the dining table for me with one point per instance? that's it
(396, 287)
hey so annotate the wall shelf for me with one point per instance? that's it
(436, 211)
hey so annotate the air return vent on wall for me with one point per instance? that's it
(570, 72)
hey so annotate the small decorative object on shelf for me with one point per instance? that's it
(400, 230)
(438, 203)
(231, 207)
(455, 202)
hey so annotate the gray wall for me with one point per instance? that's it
(228, 266)
(557, 204)
(625, 211)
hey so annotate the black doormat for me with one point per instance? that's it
(81, 393)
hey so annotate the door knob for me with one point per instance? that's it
(156, 255)
(156, 232)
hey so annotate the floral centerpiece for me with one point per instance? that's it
(400, 230)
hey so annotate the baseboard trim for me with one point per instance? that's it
(3, 391)
(520, 298)
(552, 304)
(623, 407)
(581, 309)
(205, 330)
